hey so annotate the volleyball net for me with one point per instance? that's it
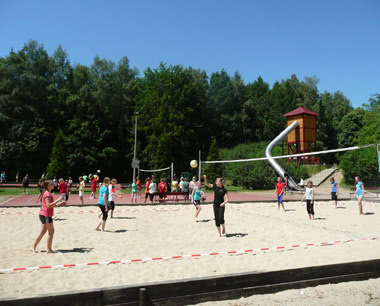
(160, 172)
(259, 173)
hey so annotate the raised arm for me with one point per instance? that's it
(207, 183)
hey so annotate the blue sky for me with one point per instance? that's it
(336, 41)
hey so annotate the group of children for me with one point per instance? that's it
(309, 195)
(107, 193)
(106, 203)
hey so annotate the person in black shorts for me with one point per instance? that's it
(334, 191)
(220, 201)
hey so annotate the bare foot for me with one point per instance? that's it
(34, 250)
(97, 229)
(50, 252)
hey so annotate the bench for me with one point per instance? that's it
(172, 196)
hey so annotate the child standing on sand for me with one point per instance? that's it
(280, 188)
(196, 198)
(46, 216)
(359, 193)
(111, 194)
(309, 195)
(334, 191)
(134, 191)
(103, 204)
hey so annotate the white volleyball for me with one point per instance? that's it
(193, 163)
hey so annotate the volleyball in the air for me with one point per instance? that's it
(193, 163)
(98, 171)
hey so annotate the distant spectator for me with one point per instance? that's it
(55, 184)
(162, 189)
(181, 184)
(138, 183)
(185, 188)
(93, 188)
(3, 177)
(134, 192)
(152, 190)
(69, 185)
(17, 176)
(174, 185)
(41, 188)
(82, 186)
(147, 183)
(43, 176)
(62, 187)
(25, 183)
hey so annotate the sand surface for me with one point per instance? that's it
(153, 233)
(347, 294)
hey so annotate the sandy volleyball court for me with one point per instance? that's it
(171, 230)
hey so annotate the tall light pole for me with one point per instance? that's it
(134, 150)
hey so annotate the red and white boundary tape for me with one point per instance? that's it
(92, 211)
(187, 256)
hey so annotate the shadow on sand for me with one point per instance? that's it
(237, 235)
(129, 218)
(204, 220)
(75, 250)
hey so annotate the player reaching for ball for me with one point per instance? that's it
(46, 216)
(220, 201)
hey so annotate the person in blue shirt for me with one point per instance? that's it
(334, 191)
(359, 194)
(196, 198)
(103, 204)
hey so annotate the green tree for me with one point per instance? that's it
(58, 165)
(213, 171)
(349, 128)
(364, 162)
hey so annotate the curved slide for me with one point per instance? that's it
(268, 153)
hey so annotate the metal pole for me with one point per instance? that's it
(134, 150)
(200, 166)
(171, 173)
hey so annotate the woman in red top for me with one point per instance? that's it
(93, 188)
(46, 214)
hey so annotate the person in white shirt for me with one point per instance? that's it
(111, 194)
(192, 186)
(152, 190)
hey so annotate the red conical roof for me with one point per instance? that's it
(299, 111)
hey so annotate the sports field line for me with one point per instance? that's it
(92, 211)
(197, 255)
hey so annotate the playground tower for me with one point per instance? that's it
(303, 139)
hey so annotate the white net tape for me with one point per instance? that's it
(289, 156)
(156, 170)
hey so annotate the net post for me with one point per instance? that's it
(199, 166)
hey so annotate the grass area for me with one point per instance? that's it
(18, 191)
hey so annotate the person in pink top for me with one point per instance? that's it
(46, 214)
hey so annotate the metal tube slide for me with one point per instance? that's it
(273, 163)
